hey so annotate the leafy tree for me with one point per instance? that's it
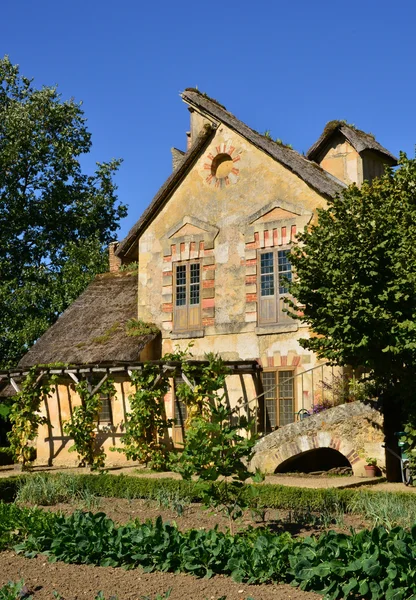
(356, 285)
(55, 220)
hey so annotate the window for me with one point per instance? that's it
(105, 416)
(279, 398)
(274, 272)
(187, 296)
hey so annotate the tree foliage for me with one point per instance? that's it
(356, 287)
(55, 220)
(356, 276)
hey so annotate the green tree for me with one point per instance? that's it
(55, 220)
(356, 285)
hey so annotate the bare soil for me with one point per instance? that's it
(82, 582)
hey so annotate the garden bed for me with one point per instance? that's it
(195, 516)
(84, 581)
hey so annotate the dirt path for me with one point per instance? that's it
(76, 582)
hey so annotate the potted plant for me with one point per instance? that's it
(370, 468)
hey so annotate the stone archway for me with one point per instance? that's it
(355, 430)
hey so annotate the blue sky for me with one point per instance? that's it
(287, 67)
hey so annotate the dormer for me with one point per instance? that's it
(350, 154)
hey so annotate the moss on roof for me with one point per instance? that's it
(205, 95)
(337, 123)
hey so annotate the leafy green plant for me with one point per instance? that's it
(371, 462)
(15, 591)
(171, 500)
(82, 426)
(24, 415)
(376, 564)
(215, 449)
(159, 596)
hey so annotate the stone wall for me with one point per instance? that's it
(355, 430)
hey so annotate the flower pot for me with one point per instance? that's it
(370, 470)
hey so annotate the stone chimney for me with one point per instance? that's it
(177, 156)
(198, 122)
(114, 261)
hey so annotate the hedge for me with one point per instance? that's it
(269, 495)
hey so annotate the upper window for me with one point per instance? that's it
(274, 273)
(187, 296)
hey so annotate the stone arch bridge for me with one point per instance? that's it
(355, 430)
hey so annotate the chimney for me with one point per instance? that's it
(114, 261)
(177, 156)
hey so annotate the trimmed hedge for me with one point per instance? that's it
(269, 495)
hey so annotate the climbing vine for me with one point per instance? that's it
(24, 415)
(146, 425)
(82, 427)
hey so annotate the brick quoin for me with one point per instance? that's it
(208, 267)
(251, 297)
(167, 307)
(167, 259)
(293, 232)
(208, 283)
(208, 302)
(207, 321)
(251, 279)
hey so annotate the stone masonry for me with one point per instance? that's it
(355, 430)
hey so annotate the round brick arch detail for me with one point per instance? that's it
(346, 428)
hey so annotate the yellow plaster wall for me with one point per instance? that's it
(261, 180)
(343, 161)
(52, 443)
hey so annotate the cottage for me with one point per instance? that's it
(208, 262)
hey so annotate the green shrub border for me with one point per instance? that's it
(269, 495)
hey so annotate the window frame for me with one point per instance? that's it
(275, 298)
(277, 399)
(196, 324)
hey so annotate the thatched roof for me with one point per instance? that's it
(360, 140)
(93, 328)
(323, 182)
